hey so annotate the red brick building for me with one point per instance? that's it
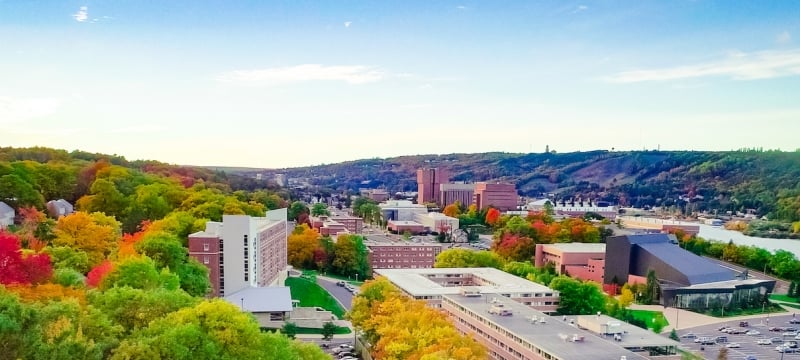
(428, 184)
(501, 196)
(402, 255)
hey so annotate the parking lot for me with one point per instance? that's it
(749, 346)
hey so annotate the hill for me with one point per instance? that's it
(762, 182)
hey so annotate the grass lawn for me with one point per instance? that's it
(311, 294)
(781, 297)
(650, 317)
(335, 276)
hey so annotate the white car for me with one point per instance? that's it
(764, 342)
(753, 332)
(790, 333)
(733, 345)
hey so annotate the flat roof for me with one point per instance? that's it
(416, 282)
(730, 284)
(634, 336)
(405, 222)
(550, 336)
(262, 299)
(401, 244)
(575, 247)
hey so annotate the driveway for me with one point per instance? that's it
(341, 294)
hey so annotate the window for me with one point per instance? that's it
(205, 259)
(205, 247)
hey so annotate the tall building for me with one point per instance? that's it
(450, 193)
(243, 251)
(501, 196)
(428, 181)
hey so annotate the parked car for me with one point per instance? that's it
(733, 346)
(744, 324)
(776, 340)
(753, 332)
(764, 342)
(794, 321)
(790, 333)
(689, 336)
(784, 349)
(721, 339)
(346, 354)
(340, 283)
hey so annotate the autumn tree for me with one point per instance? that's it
(350, 256)
(140, 273)
(134, 309)
(16, 268)
(96, 234)
(452, 210)
(492, 216)
(301, 244)
(95, 277)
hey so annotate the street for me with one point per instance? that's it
(339, 292)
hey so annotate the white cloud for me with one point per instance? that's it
(580, 8)
(82, 15)
(347, 24)
(15, 110)
(783, 38)
(461, 7)
(737, 66)
(353, 74)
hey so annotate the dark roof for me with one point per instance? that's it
(696, 269)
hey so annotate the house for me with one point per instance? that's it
(7, 215)
(59, 208)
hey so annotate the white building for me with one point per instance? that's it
(437, 222)
(431, 284)
(59, 208)
(7, 215)
(243, 251)
(402, 210)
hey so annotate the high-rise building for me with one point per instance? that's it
(243, 251)
(501, 196)
(428, 181)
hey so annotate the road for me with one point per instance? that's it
(339, 292)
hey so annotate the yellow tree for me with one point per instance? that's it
(96, 234)
(301, 245)
(452, 210)
(626, 296)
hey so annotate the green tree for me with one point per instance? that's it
(140, 273)
(16, 192)
(320, 209)
(328, 330)
(134, 309)
(674, 335)
(164, 249)
(289, 329)
(651, 293)
(456, 258)
(578, 298)
(66, 257)
(296, 209)
(194, 277)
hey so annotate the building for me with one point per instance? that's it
(685, 279)
(575, 209)
(450, 193)
(327, 226)
(281, 180)
(402, 210)
(353, 224)
(437, 222)
(428, 184)
(500, 196)
(243, 251)
(510, 330)
(585, 261)
(7, 215)
(401, 226)
(660, 225)
(387, 254)
(379, 195)
(271, 306)
(59, 208)
(431, 284)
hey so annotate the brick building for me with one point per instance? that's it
(501, 196)
(428, 184)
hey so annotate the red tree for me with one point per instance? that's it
(98, 273)
(492, 216)
(16, 269)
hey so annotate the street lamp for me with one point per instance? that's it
(242, 304)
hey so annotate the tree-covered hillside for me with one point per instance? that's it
(764, 182)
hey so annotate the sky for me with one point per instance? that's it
(274, 84)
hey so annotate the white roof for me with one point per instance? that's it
(575, 247)
(262, 299)
(5, 209)
(416, 282)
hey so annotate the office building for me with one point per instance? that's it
(450, 193)
(500, 196)
(585, 261)
(385, 253)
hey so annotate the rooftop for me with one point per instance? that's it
(635, 337)
(579, 247)
(550, 336)
(405, 222)
(417, 283)
(262, 299)
(729, 284)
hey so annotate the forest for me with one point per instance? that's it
(113, 279)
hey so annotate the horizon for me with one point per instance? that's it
(282, 84)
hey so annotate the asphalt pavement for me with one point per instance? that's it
(341, 294)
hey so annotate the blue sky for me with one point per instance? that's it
(276, 84)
